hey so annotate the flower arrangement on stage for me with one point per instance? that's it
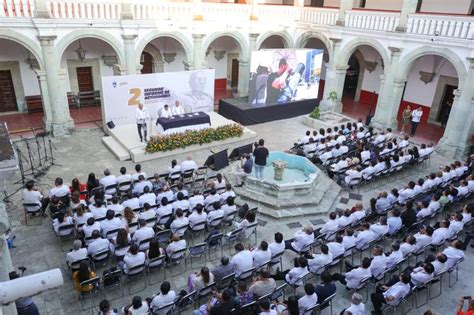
(190, 137)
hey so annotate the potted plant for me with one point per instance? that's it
(316, 113)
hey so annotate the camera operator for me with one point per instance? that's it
(244, 169)
(470, 306)
(24, 306)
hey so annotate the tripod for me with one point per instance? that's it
(51, 147)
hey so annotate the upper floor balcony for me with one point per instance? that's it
(455, 26)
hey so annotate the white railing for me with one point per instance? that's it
(153, 10)
(319, 16)
(372, 20)
(447, 26)
(79, 9)
(16, 8)
(226, 12)
(276, 14)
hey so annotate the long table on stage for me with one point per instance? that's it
(180, 123)
(238, 109)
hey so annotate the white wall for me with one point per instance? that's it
(226, 44)
(417, 91)
(441, 6)
(170, 45)
(11, 51)
(371, 80)
(384, 4)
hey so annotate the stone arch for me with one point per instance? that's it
(349, 48)
(240, 40)
(285, 38)
(107, 37)
(179, 37)
(24, 41)
(407, 61)
(303, 39)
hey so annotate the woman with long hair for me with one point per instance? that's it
(198, 280)
(76, 185)
(128, 218)
(81, 215)
(81, 275)
(119, 245)
(154, 250)
(406, 118)
(92, 182)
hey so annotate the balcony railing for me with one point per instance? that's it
(427, 25)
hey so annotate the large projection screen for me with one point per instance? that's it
(279, 76)
(122, 94)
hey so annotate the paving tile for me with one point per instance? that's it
(355, 196)
(344, 200)
(261, 222)
(317, 221)
(294, 225)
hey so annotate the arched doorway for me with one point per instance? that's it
(316, 43)
(147, 62)
(273, 42)
(352, 78)
(163, 54)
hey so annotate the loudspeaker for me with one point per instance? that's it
(111, 125)
(237, 152)
(217, 160)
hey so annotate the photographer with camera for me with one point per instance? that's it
(470, 306)
(24, 306)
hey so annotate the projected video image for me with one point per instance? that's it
(283, 75)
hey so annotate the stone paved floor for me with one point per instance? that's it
(39, 250)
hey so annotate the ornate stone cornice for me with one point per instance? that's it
(129, 38)
(395, 50)
(198, 36)
(47, 40)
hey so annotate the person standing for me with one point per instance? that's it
(415, 119)
(447, 111)
(261, 154)
(406, 116)
(276, 82)
(141, 115)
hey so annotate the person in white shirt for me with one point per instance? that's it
(380, 166)
(365, 154)
(455, 225)
(319, 261)
(90, 227)
(423, 238)
(108, 180)
(365, 236)
(349, 240)
(352, 175)
(278, 246)
(139, 188)
(382, 203)
(177, 109)
(356, 307)
(215, 215)
(424, 210)
(404, 143)
(454, 253)
(442, 233)
(179, 223)
(197, 217)
(59, 190)
(165, 297)
(124, 177)
(361, 133)
(143, 233)
(148, 214)
(407, 193)
(395, 256)
(415, 119)
(242, 260)
(439, 263)
(309, 299)
(294, 275)
(380, 138)
(368, 171)
(305, 138)
(132, 259)
(261, 254)
(394, 222)
(391, 295)
(341, 138)
(76, 254)
(98, 210)
(176, 244)
(378, 263)
(32, 195)
(462, 189)
(166, 192)
(325, 156)
(302, 238)
(342, 164)
(174, 170)
(165, 112)
(116, 207)
(330, 227)
(358, 214)
(62, 220)
(336, 248)
(138, 172)
(198, 198)
(147, 197)
(344, 220)
(141, 116)
(408, 246)
(163, 212)
(422, 275)
(380, 228)
(188, 164)
(98, 244)
(212, 197)
(110, 223)
(131, 202)
(467, 213)
(353, 278)
(180, 203)
(227, 193)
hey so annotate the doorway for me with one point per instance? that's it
(317, 3)
(418, 6)
(234, 78)
(84, 79)
(352, 78)
(147, 63)
(7, 92)
(448, 96)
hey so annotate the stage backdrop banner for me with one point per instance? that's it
(122, 94)
(279, 76)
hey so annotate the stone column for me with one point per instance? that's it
(335, 76)
(253, 10)
(197, 12)
(408, 7)
(198, 56)
(48, 116)
(390, 95)
(130, 57)
(298, 3)
(41, 9)
(126, 12)
(5, 260)
(456, 140)
(345, 5)
(61, 122)
(244, 71)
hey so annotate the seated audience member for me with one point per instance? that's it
(223, 304)
(180, 203)
(408, 246)
(188, 164)
(243, 170)
(124, 177)
(326, 288)
(138, 307)
(294, 276)
(77, 253)
(262, 284)
(198, 198)
(219, 182)
(390, 295)
(344, 220)
(90, 227)
(98, 210)
(197, 217)
(164, 297)
(62, 220)
(138, 172)
(110, 223)
(31, 194)
(147, 197)
(380, 228)
(143, 233)
(132, 202)
(223, 270)
(132, 259)
(421, 275)
(318, 262)
(76, 201)
(358, 214)
(163, 213)
(423, 238)
(353, 278)
(395, 256)
(129, 217)
(382, 203)
(81, 275)
(59, 190)
(227, 193)
(467, 212)
(106, 309)
(230, 210)
(441, 234)
(439, 262)
(245, 223)
(394, 222)
(349, 240)
(108, 180)
(378, 263)
(330, 227)
(212, 197)
(139, 187)
(365, 236)
(278, 246)
(198, 280)
(406, 193)
(97, 244)
(148, 214)
(215, 216)
(456, 224)
(408, 215)
(92, 182)
(309, 299)
(179, 223)
(165, 192)
(242, 260)
(116, 206)
(261, 255)
(180, 189)
(153, 251)
(454, 253)
(176, 245)
(356, 307)
(120, 244)
(336, 247)
(302, 238)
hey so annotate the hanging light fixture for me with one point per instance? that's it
(81, 52)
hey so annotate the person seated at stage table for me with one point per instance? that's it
(177, 109)
(188, 164)
(165, 112)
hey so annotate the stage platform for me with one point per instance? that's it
(238, 109)
(123, 141)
